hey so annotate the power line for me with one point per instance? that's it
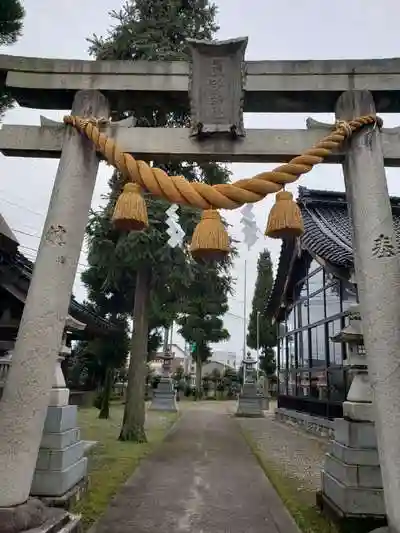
(22, 207)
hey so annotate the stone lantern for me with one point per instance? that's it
(358, 405)
(249, 364)
(60, 474)
(351, 483)
(250, 403)
(164, 395)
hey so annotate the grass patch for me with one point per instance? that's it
(297, 501)
(112, 462)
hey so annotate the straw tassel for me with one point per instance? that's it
(130, 213)
(285, 220)
(210, 239)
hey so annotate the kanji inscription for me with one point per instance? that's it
(217, 87)
(383, 246)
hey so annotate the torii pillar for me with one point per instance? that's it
(26, 395)
(378, 278)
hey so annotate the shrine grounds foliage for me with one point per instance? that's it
(267, 330)
(11, 20)
(139, 271)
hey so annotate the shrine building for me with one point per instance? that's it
(314, 287)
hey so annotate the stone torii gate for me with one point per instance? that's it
(220, 86)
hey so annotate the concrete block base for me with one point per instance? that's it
(250, 404)
(349, 523)
(354, 456)
(164, 397)
(61, 464)
(60, 459)
(351, 477)
(60, 419)
(353, 500)
(358, 411)
(354, 475)
(59, 441)
(355, 434)
(58, 482)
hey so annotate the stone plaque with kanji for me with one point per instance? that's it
(216, 87)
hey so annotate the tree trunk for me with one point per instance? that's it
(198, 379)
(105, 397)
(135, 412)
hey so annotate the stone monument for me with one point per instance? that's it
(352, 490)
(250, 403)
(164, 395)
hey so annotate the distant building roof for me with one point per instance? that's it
(327, 237)
(15, 262)
(8, 241)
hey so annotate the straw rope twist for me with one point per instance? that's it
(178, 190)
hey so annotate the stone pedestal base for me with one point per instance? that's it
(34, 517)
(351, 477)
(250, 404)
(29, 515)
(164, 397)
(61, 463)
(360, 411)
(68, 500)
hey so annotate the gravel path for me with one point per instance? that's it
(299, 454)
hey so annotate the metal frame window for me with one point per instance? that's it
(304, 346)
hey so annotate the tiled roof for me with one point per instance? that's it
(328, 231)
(77, 310)
(327, 234)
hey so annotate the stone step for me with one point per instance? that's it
(354, 456)
(353, 475)
(353, 500)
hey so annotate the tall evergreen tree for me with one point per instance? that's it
(141, 267)
(267, 330)
(11, 18)
(200, 317)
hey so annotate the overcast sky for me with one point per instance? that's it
(284, 29)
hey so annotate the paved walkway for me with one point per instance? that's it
(203, 479)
